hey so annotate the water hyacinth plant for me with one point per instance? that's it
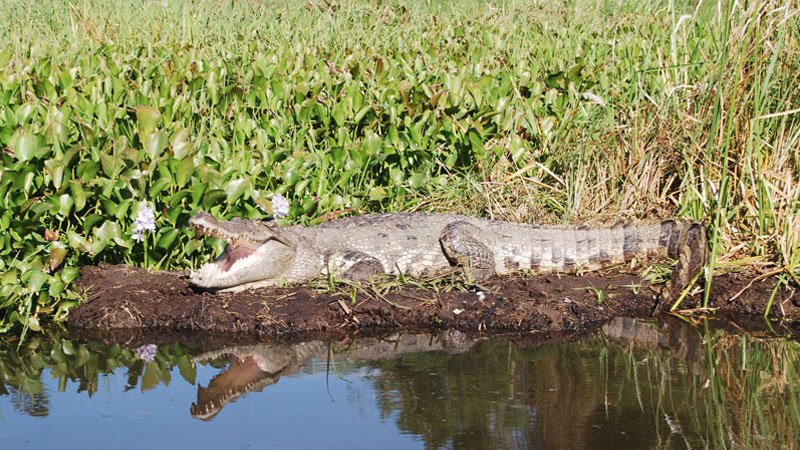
(554, 112)
(145, 222)
(280, 206)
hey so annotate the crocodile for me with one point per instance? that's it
(262, 253)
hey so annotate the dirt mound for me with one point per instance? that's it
(123, 297)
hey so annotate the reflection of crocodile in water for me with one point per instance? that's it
(254, 367)
(251, 368)
(358, 248)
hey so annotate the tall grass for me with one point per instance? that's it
(549, 111)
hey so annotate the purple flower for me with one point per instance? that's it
(147, 352)
(280, 206)
(145, 221)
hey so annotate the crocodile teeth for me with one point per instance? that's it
(219, 234)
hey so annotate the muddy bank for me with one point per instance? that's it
(126, 298)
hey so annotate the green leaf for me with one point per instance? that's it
(25, 146)
(158, 186)
(184, 172)
(10, 277)
(235, 188)
(55, 168)
(377, 194)
(69, 274)
(108, 231)
(65, 203)
(37, 280)
(33, 323)
(57, 288)
(5, 57)
(155, 143)
(147, 118)
(166, 239)
(76, 241)
(78, 195)
(111, 165)
(339, 111)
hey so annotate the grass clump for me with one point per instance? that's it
(581, 110)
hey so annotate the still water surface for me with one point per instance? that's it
(634, 384)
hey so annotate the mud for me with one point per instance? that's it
(127, 300)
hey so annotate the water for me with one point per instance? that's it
(632, 385)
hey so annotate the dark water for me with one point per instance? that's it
(632, 385)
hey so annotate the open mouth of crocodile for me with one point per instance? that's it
(243, 375)
(238, 254)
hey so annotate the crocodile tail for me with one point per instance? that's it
(565, 249)
(692, 252)
(569, 248)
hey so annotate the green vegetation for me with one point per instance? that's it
(519, 110)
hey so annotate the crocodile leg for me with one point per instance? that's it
(356, 266)
(462, 247)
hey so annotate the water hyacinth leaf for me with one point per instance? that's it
(9, 278)
(308, 205)
(212, 198)
(24, 112)
(55, 169)
(57, 354)
(546, 125)
(87, 170)
(122, 209)
(361, 113)
(33, 323)
(151, 377)
(235, 188)
(397, 175)
(69, 274)
(57, 254)
(147, 118)
(76, 241)
(68, 347)
(78, 195)
(107, 232)
(166, 239)
(36, 279)
(157, 187)
(57, 288)
(265, 204)
(416, 180)
(155, 143)
(339, 113)
(184, 172)
(65, 203)
(110, 164)
(24, 145)
(517, 149)
(377, 194)
(97, 246)
(371, 143)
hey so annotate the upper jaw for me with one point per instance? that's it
(204, 224)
